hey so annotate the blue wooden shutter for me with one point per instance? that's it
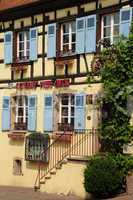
(32, 113)
(125, 21)
(48, 113)
(80, 35)
(8, 47)
(33, 44)
(90, 36)
(79, 122)
(6, 115)
(51, 51)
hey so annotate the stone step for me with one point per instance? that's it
(48, 176)
(53, 171)
(42, 182)
(36, 188)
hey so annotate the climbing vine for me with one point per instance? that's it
(117, 79)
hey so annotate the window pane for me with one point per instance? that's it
(80, 24)
(21, 46)
(73, 37)
(21, 55)
(66, 28)
(64, 120)
(125, 15)
(72, 100)
(65, 100)
(51, 30)
(73, 47)
(72, 111)
(20, 111)
(20, 101)
(21, 36)
(116, 30)
(116, 18)
(27, 35)
(28, 44)
(48, 101)
(33, 34)
(32, 102)
(66, 39)
(73, 25)
(72, 122)
(66, 48)
(107, 32)
(90, 22)
(64, 111)
(107, 20)
(6, 103)
(8, 38)
(79, 101)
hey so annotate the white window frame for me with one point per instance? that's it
(69, 106)
(111, 26)
(24, 106)
(25, 41)
(70, 35)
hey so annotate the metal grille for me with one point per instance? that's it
(35, 144)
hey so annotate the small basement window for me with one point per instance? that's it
(35, 144)
(17, 167)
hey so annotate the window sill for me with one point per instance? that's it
(61, 54)
(17, 135)
(62, 137)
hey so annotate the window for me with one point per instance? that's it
(23, 46)
(20, 113)
(68, 37)
(17, 167)
(67, 110)
(35, 144)
(21, 109)
(110, 27)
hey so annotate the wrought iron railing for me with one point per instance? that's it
(80, 144)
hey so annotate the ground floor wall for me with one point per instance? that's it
(69, 179)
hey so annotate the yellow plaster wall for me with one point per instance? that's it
(17, 148)
(1, 49)
(63, 12)
(68, 180)
(27, 22)
(72, 68)
(38, 17)
(106, 3)
(38, 67)
(26, 73)
(49, 69)
(50, 15)
(57, 184)
(7, 24)
(40, 44)
(89, 7)
(89, 58)
(5, 71)
(12, 149)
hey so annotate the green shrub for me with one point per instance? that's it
(103, 177)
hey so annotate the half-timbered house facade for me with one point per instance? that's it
(49, 86)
